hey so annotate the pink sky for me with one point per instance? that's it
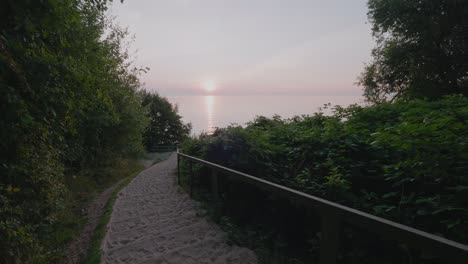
(249, 46)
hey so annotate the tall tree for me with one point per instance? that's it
(422, 49)
(165, 124)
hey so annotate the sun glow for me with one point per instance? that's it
(209, 86)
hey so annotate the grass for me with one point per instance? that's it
(94, 251)
(82, 189)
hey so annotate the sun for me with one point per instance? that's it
(209, 85)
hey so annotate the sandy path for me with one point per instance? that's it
(153, 221)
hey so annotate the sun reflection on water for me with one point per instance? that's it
(209, 104)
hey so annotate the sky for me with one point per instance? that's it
(248, 47)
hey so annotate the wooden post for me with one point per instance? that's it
(330, 239)
(191, 178)
(215, 191)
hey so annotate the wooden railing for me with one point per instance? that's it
(333, 215)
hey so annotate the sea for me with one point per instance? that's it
(207, 112)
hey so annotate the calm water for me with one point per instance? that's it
(207, 112)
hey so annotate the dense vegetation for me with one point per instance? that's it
(165, 125)
(405, 161)
(404, 158)
(422, 49)
(72, 120)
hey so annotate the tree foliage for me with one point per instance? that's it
(422, 49)
(165, 125)
(69, 101)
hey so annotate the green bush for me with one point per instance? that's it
(405, 161)
(70, 103)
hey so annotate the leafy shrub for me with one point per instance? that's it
(405, 161)
(70, 103)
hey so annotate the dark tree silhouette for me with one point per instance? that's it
(165, 124)
(422, 49)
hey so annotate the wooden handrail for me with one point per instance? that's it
(334, 214)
